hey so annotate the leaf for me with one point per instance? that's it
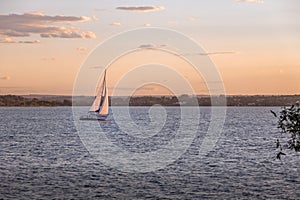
(273, 113)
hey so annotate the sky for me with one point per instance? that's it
(254, 45)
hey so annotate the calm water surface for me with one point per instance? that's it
(43, 157)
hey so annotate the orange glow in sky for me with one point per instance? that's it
(254, 44)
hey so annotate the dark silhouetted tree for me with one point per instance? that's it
(289, 122)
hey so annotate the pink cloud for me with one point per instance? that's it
(10, 40)
(141, 8)
(23, 25)
(116, 24)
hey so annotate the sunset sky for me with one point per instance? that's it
(255, 44)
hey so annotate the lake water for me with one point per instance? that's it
(43, 157)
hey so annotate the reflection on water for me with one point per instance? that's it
(42, 156)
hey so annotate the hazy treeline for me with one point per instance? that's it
(13, 100)
(183, 100)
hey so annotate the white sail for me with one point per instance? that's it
(105, 104)
(96, 104)
(100, 107)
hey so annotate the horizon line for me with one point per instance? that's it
(166, 95)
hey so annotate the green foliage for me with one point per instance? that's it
(289, 122)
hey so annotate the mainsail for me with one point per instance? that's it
(104, 107)
(100, 103)
(97, 101)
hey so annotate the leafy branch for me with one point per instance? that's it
(289, 122)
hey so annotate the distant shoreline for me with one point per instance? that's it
(183, 100)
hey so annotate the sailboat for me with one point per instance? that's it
(100, 107)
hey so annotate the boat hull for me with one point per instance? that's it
(94, 117)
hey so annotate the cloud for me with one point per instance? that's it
(30, 42)
(250, 1)
(217, 53)
(147, 46)
(10, 40)
(7, 40)
(147, 25)
(116, 24)
(141, 8)
(82, 50)
(97, 67)
(4, 78)
(153, 46)
(23, 25)
(161, 47)
(95, 18)
(62, 32)
(209, 53)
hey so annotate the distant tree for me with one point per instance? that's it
(289, 122)
(67, 102)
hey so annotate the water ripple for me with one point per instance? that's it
(42, 157)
